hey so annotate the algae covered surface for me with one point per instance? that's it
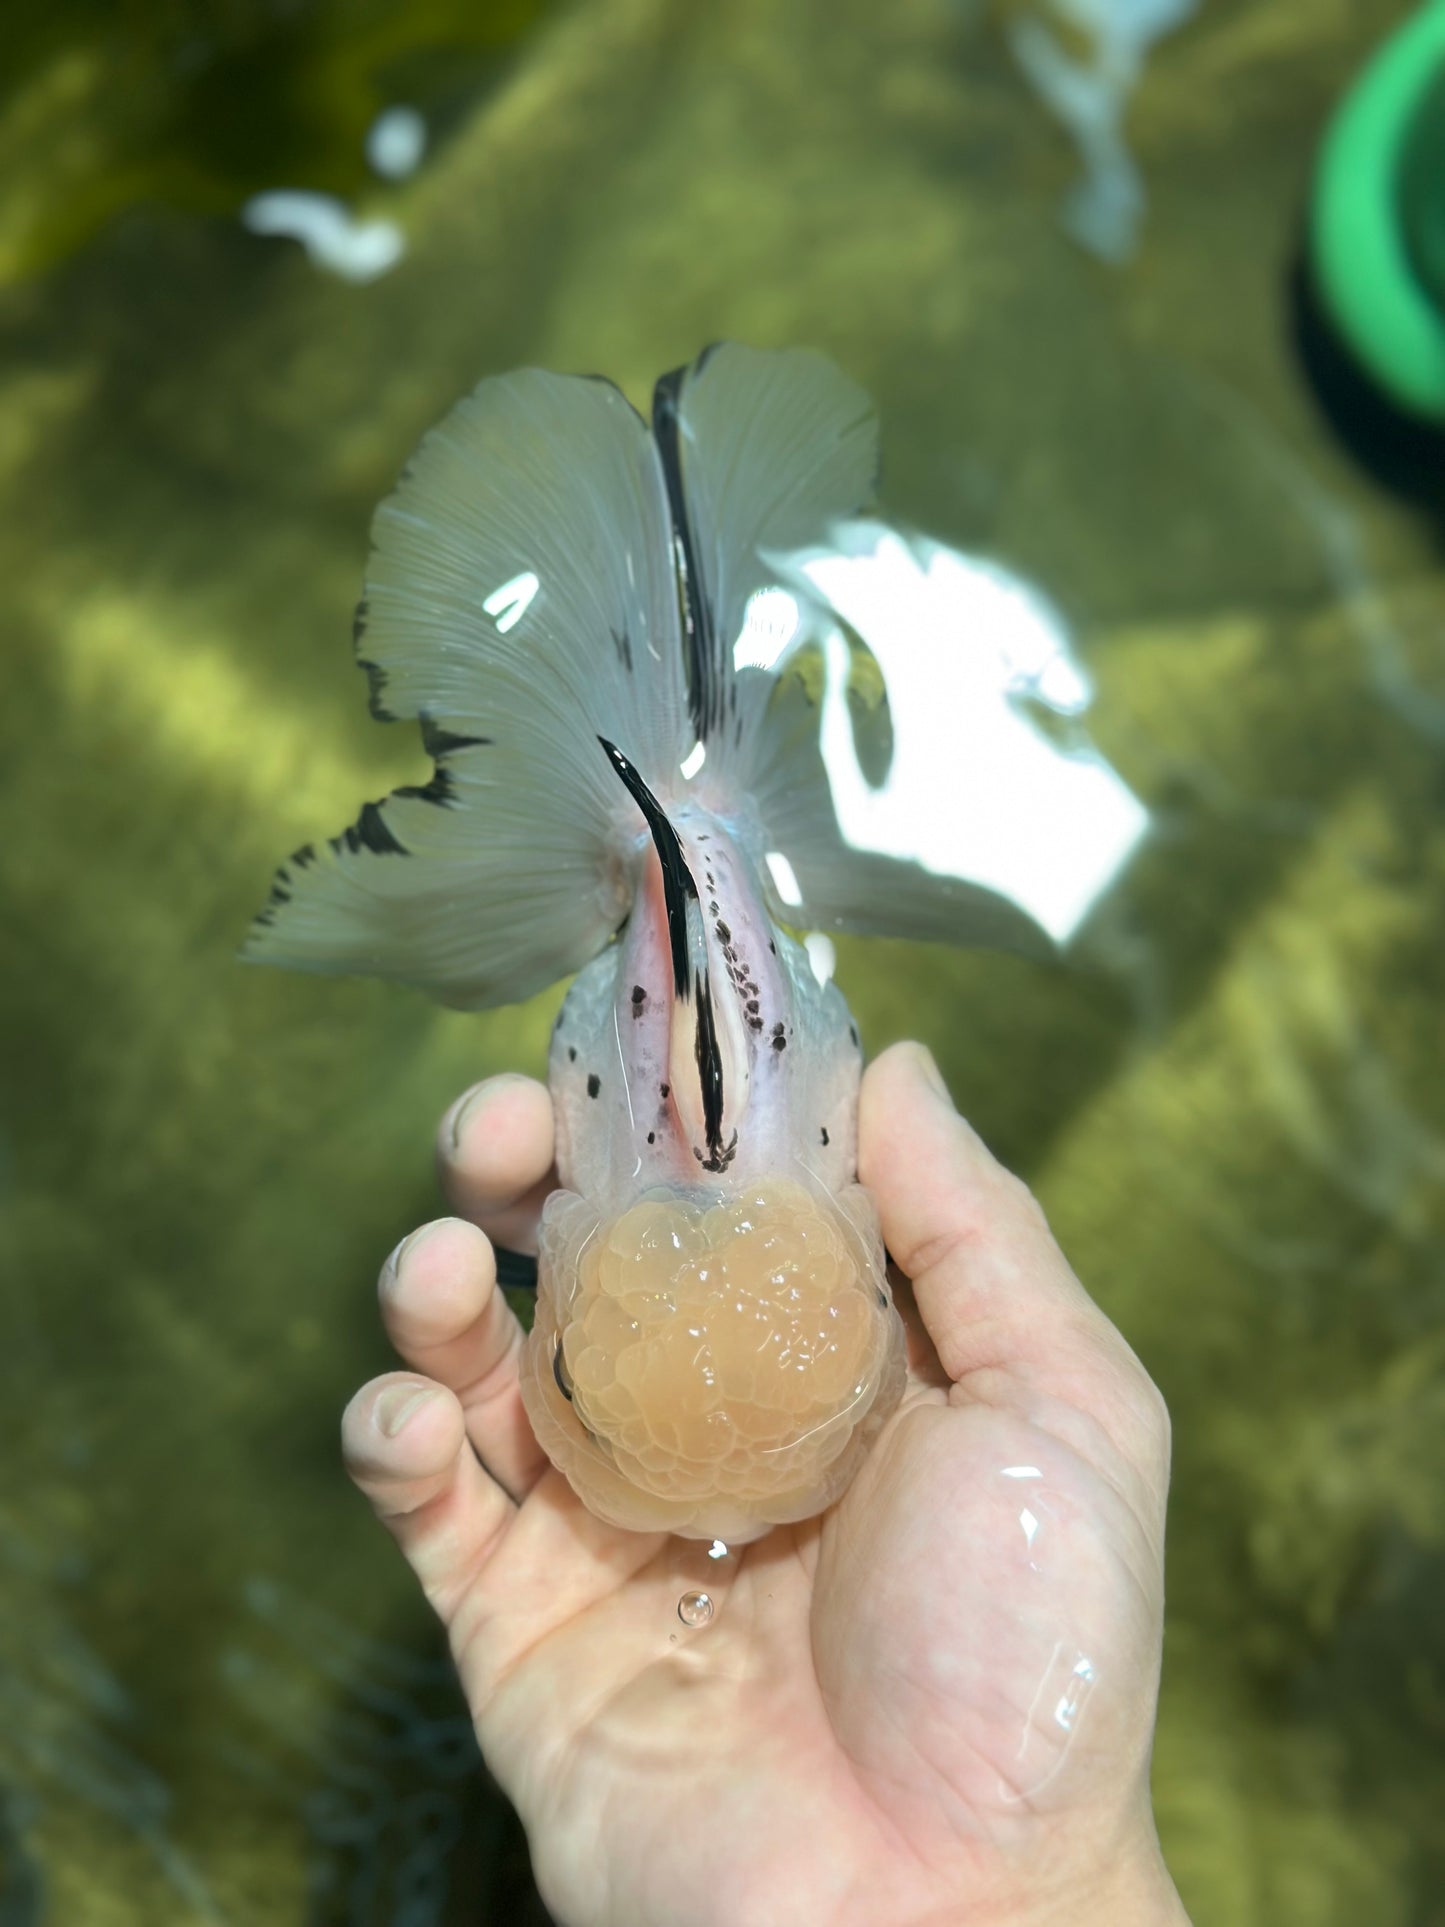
(219, 1699)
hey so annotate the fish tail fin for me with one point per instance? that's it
(520, 601)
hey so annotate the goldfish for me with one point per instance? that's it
(628, 789)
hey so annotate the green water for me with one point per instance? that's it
(219, 1699)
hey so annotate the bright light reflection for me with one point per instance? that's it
(770, 624)
(395, 142)
(974, 790)
(331, 235)
(785, 879)
(509, 603)
(694, 760)
(821, 955)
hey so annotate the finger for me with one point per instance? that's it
(444, 1314)
(995, 1291)
(494, 1158)
(405, 1446)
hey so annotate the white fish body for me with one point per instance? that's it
(555, 592)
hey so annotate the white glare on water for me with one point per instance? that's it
(395, 142)
(331, 235)
(975, 790)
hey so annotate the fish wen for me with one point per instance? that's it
(559, 591)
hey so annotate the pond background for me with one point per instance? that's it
(220, 1699)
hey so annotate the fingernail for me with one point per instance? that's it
(408, 1243)
(461, 1112)
(396, 1406)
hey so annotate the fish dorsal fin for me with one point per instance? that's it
(763, 452)
(521, 600)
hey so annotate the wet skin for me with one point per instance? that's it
(934, 1703)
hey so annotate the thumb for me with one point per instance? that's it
(1004, 1310)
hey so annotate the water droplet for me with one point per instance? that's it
(694, 1608)
(717, 1550)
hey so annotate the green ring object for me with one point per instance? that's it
(1377, 222)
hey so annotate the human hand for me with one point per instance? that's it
(934, 1703)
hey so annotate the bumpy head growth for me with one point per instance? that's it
(712, 1368)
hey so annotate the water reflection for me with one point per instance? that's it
(975, 789)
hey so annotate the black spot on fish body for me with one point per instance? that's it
(571, 1053)
(780, 1043)
(652, 1137)
(723, 931)
(720, 1159)
(665, 1090)
(772, 946)
(853, 1033)
(594, 1083)
(824, 1135)
(639, 998)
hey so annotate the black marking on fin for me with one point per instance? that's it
(439, 742)
(376, 686)
(704, 697)
(440, 789)
(594, 1083)
(624, 648)
(678, 889)
(358, 621)
(677, 884)
(369, 832)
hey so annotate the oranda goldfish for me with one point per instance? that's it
(558, 592)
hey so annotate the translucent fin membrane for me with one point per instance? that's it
(711, 1369)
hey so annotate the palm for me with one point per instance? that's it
(886, 1714)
